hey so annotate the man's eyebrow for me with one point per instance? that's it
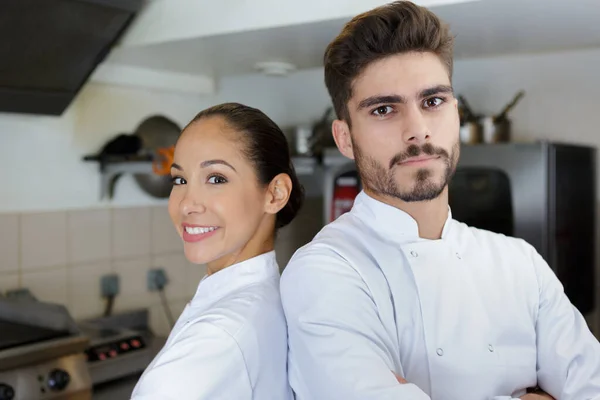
(380, 99)
(436, 90)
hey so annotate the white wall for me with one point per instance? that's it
(561, 102)
(40, 157)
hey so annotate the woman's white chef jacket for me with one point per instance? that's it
(229, 343)
(468, 317)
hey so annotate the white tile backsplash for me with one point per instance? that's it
(133, 284)
(61, 257)
(43, 240)
(88, 234)
(85, 296)
(9, 243)
(165, 238)
(48, 285)
(131, 233)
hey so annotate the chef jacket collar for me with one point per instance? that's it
(390, 222)
(236, 276)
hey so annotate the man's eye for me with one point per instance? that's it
(433, 102)
(382, 110)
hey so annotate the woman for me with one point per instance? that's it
(233, 186)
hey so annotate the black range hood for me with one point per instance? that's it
(49, 48)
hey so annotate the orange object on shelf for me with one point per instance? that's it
(162, 165)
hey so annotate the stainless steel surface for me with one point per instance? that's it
(35, 381)
(48, 362)
(112, 354)
(526, 166)
(136, 320)
(496, 131)
(46, 315)
(21, 356)
(127, 365)
(302, 140)
(471, 133)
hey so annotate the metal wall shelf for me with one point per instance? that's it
(309, 170)
(111, 168)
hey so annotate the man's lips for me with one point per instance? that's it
(418, 160)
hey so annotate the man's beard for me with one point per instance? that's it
(379, 179)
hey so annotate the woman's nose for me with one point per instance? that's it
(191, 203)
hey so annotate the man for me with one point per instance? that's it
(395, 299)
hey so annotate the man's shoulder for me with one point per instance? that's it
(333, 250)
(486, 239)
(336, 241)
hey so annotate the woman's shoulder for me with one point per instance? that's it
(253, 318)
(249, 311)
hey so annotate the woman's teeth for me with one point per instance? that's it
(198, 230)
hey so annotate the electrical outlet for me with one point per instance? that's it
(109, 285)
(157, 279)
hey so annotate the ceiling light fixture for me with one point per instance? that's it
(275, 68)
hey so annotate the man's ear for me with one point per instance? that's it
(278, 193)
(341, 135)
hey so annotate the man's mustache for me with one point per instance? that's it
(413, 151)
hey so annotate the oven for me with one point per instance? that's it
(41, 353)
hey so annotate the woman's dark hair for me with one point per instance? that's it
(265, 146)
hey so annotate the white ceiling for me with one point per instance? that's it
(485, 28)
(168, 20)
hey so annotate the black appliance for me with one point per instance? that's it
(544, 193)
(49, 48)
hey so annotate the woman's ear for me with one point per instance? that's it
(278, 193)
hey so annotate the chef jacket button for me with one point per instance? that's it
(491, 348)
(440, 352)
(458, 256)
(414, 254)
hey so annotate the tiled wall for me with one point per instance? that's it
(61, 256)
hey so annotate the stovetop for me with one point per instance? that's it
(17, 334)
(98, 332)
(120, 345)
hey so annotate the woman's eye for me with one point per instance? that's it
(216, 179)
(177, 180)
(382, 110)
(433, 102)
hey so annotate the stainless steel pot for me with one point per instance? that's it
(156, 132)
(471, 133)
